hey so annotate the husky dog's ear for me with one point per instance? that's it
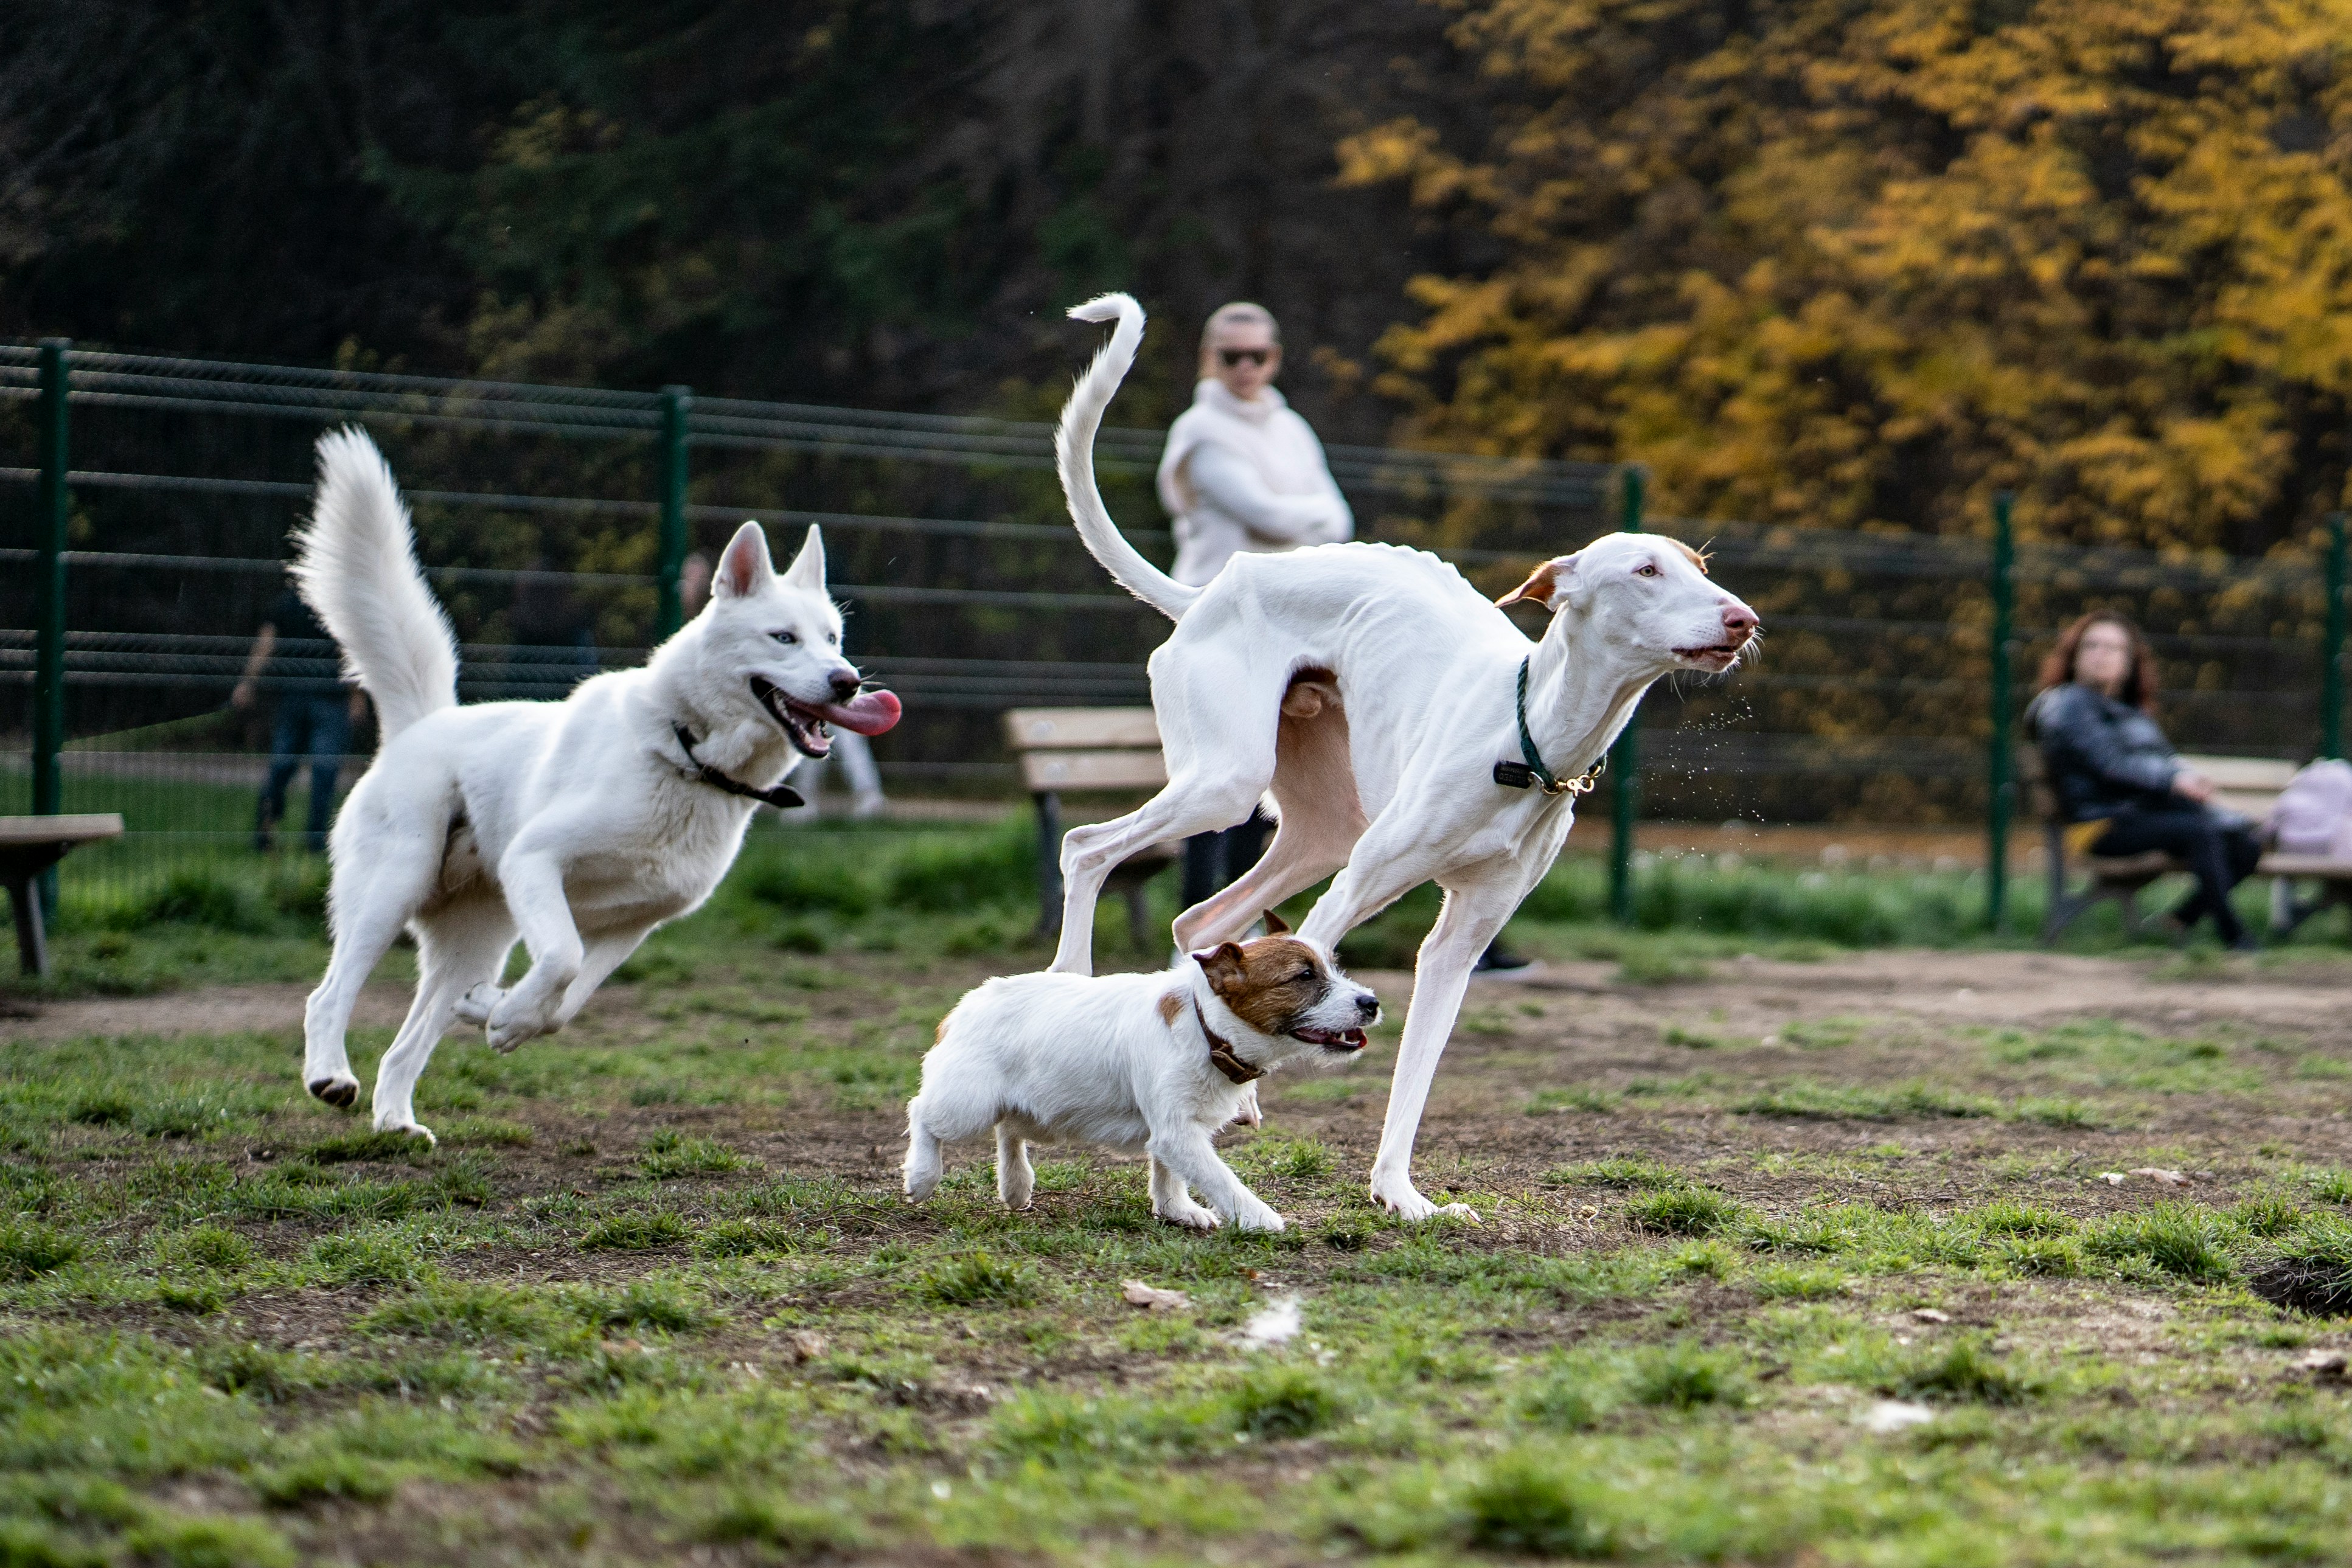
(807, 570)
(1548, 585)
(743, 567)
(1275, 926)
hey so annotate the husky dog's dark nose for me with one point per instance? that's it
(845, 688)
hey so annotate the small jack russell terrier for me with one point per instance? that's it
(1156, 1063)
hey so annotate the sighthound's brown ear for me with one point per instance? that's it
(1225, 965)
(1537, 587)
(1275, 926)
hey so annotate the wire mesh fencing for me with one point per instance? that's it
(558, 525)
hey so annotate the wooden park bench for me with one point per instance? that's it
(1089, 748)
(29, 846)
(2247, 784)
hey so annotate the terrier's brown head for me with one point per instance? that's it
(1289, 989)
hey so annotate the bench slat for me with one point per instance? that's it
(2265, 775)
(62, 829)
(1093, 770)
(2304, 865)
(1079, 728)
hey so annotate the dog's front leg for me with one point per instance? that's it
(1189, 1157)
(1471, 918)
(532, 875)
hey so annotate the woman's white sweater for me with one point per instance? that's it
(1245, 477)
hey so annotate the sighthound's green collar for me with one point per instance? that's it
(1532, 772)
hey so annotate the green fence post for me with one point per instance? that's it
(1625, 757)
(1999, 763)
(49, 601)
(676, 403)
(2331, 672)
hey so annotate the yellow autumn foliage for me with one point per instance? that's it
(1838, 264)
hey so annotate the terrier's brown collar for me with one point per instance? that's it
(1221, 1052)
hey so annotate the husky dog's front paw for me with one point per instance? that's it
(1188, 1214)
(340, 1090)
(515, 1019)
(477, 1005)
(413, 1129)
(1258, 1217)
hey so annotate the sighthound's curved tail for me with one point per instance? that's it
(1073, 453)
(355, 564)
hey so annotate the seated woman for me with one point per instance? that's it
(2119, 778)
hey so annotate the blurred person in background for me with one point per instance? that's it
(2118, 779)
(851, 750)
(294, 667)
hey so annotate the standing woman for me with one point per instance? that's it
(1241, 472)
(2118, 779)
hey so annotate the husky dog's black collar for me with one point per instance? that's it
(782, 797)
(1221, 1052)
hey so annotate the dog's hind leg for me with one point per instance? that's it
(457, 948)
(1217, 719)
(1017, 1179)
(376, 889)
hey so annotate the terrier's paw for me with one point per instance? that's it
(340, 1090)
(477, 1005)
(1190, 1216)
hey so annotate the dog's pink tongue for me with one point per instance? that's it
(869, 712)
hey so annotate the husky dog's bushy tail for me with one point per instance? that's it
(355, 564)
(1074, 453)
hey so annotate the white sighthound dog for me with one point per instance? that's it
(1156, 1063)
(1391, 711)
(580, 824)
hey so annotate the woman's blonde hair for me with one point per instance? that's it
(1240, 313)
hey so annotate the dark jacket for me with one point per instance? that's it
(2104, 757)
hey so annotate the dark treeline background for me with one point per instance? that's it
(880, 203)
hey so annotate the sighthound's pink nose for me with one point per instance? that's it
(1738, 621)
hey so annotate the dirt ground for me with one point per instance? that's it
(1861, 1019)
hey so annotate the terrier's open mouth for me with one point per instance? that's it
(1332, 1038)
(802, 724)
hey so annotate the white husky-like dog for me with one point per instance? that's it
(579, 825)
(1401, 722)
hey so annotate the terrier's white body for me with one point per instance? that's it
(578, 825)
(1126, 1062)
(1370, 691)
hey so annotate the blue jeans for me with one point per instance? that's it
(318, 728)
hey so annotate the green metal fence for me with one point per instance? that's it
(144, 503)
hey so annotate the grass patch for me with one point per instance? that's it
(979, 1279)
(635, 1231)
(1685, 1211)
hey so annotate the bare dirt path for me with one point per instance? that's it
(1947, 987)
(212, 1009)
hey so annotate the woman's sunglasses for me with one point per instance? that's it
(1244, 356)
